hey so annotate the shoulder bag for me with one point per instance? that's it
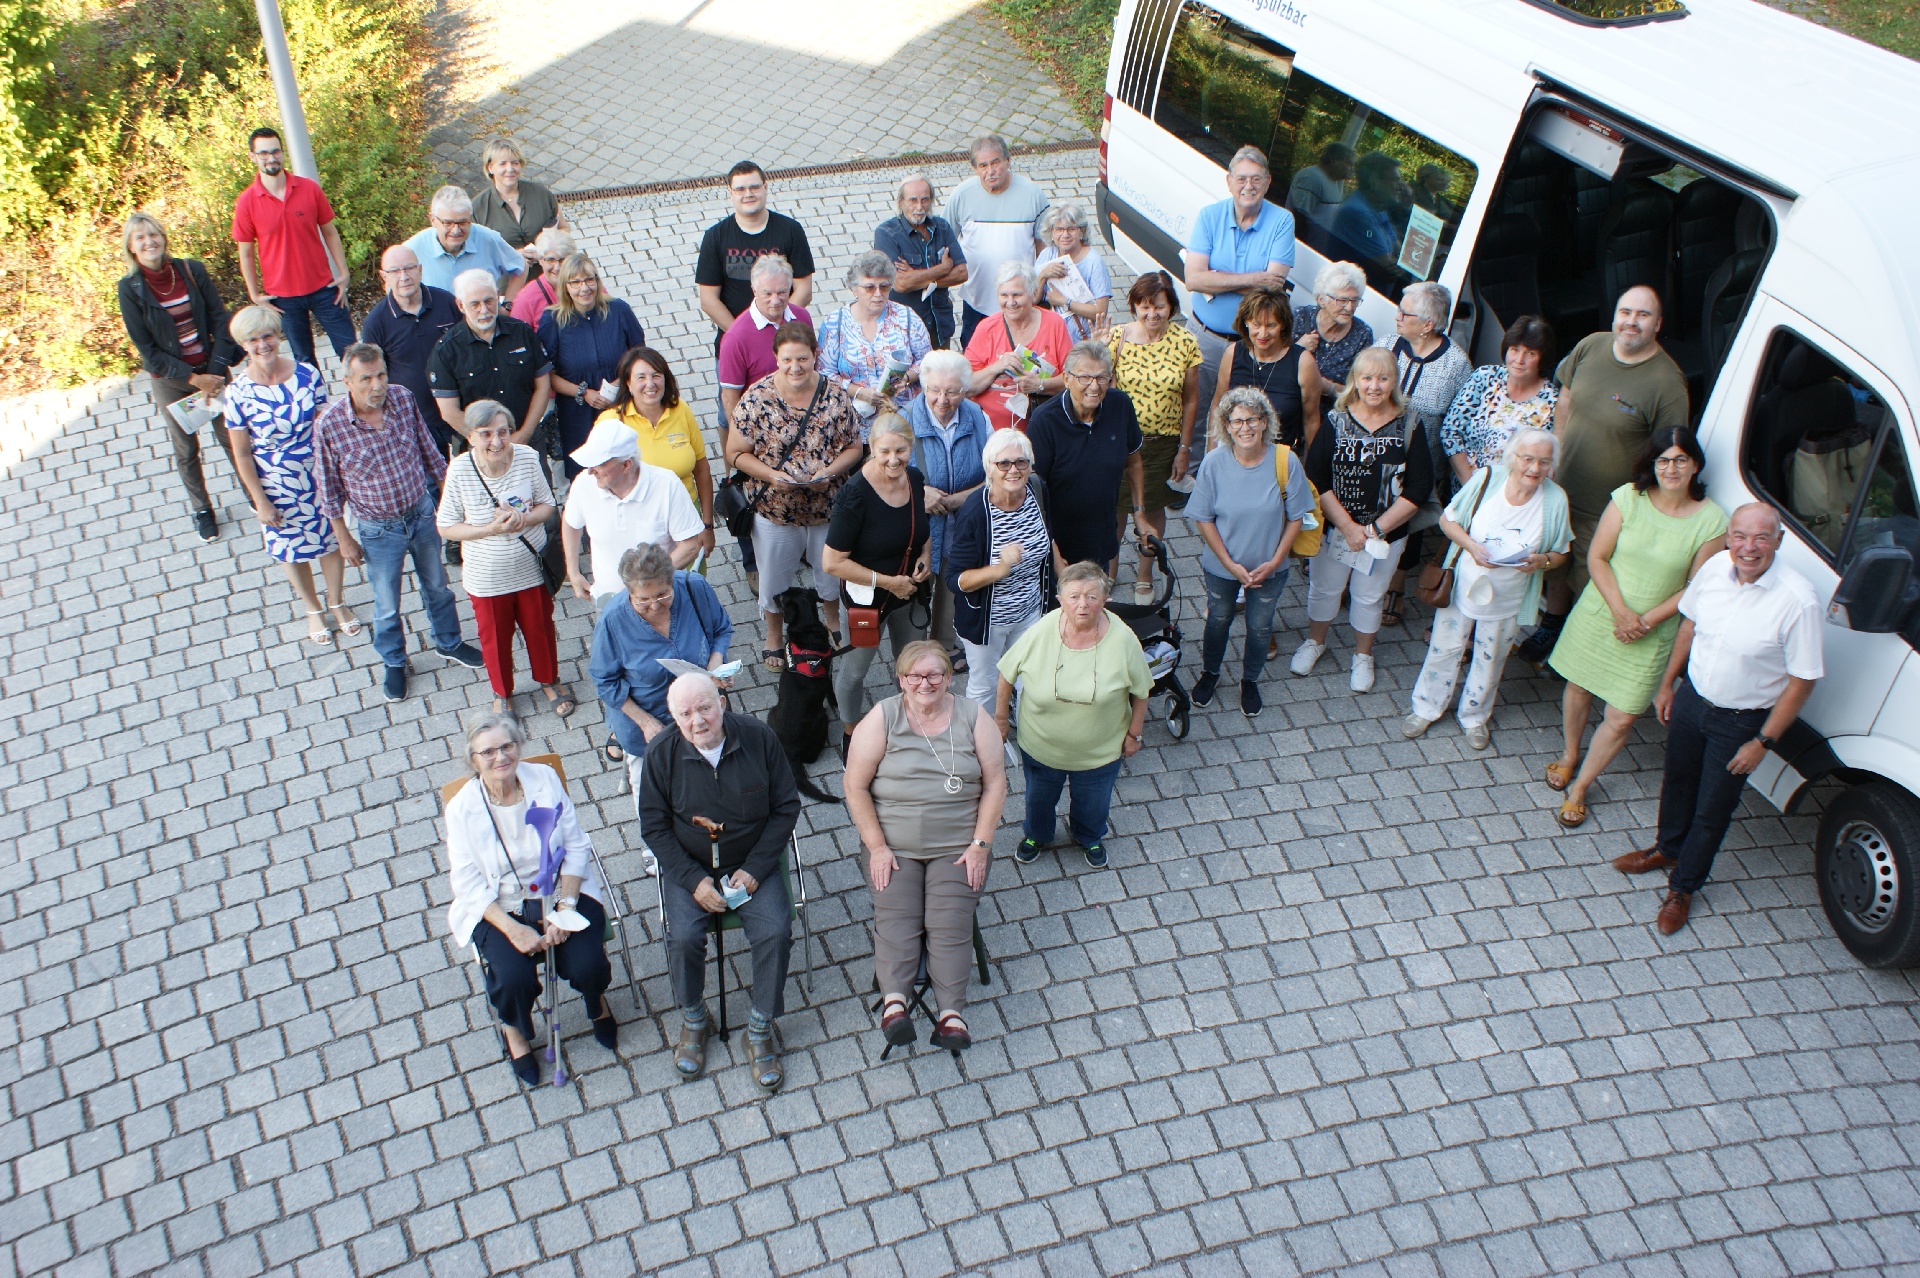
(731, 502)
(1435, 587)
(553, 572)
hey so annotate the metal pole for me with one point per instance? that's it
(293, 120)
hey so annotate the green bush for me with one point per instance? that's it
(148, 106)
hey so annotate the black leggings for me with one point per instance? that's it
(513, 978)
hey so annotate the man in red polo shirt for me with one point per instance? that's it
(291, 256)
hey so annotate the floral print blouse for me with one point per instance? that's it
(850, 359)
(770, 425)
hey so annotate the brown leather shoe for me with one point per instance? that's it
(1673, 912)
(690, 1057)
(1645, 861)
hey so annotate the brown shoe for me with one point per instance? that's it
(1645, 861)
(764, 1055)
(690, 1057)
(1673, 912)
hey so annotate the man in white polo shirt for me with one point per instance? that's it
(622, 502)
(1750, 650)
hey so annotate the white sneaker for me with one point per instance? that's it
(1362, 679)
(1414, 726)
(1304, 657)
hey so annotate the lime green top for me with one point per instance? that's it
(1075, 705)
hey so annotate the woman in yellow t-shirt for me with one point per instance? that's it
(1157, 363)
(649, 404)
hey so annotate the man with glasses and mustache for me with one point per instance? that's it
(408, 324)
(454, 245)
(927, 257)
(1086, 443)
(291, 255)
(1240, 243)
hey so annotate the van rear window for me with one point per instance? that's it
(1362, 186)
(1613, 13)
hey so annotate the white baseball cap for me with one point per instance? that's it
(610, 441)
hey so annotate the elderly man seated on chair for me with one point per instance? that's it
(717, 806)
(494, 858)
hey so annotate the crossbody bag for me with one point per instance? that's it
(731, 502)
(552, 575)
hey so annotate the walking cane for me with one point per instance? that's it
(713, 829)
(542, 820)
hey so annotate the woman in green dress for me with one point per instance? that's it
(1655, 534)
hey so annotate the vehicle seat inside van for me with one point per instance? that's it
(1506, 267)
(1801, 425)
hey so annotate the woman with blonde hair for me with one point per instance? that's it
(272, 404)
(1370, 465)
(513, 206)
(585, 333)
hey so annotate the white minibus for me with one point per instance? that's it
(1540, 156)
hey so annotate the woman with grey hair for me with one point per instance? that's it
(1508, 525)
(178, 324)
(661, 613)
(495, 504)
(1432, 371)
(872, 347)
(550, 248)
(1017, 355)
(1073, 277)
(949, 432)
(272, 404)
(1329, 328)
(493, 860)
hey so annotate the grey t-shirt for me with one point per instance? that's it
(994, 229)
(1243, 504)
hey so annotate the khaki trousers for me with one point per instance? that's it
(926, 901)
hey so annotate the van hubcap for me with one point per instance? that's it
(1863, 877)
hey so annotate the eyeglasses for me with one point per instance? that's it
(1090, 379)
(452, 223)
(497, 752)
(872, 286)
(401, 270)
(1018, 463)
(1672, 463)
(584, 279)
(915, 677)
(264, 153)
(1409, 315)
(652, 601)
(1344, 303)
(1246, 421)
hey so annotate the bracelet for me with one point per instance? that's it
(708, 527)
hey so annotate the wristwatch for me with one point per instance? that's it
(982, 843)
(1766, 740)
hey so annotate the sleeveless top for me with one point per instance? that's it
(1280, 380)
(919, 817)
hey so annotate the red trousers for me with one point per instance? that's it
(497, 615)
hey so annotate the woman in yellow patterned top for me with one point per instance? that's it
(649, 404)
(1157, 362)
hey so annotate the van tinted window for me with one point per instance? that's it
(1222, 86)
(1362, 186)
(1820, 445)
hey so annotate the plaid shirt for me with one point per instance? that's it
(385, 470)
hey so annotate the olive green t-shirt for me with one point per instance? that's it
(1610, 410)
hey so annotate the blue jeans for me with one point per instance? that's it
(1697, 793)
(1262, 601)
(296, 320)
(1086, 812)
(387, 543)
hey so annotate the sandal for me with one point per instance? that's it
(321, 638)
(957, 658)
(690, 1055)
(896, 1026)
(764, 1056)
(774, 659)
(1559, 776)
(614, 753)
(1572, 815)
(349, 624)
(1390, 607)
(559, 698)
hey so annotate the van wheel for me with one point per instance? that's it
(1865, 864)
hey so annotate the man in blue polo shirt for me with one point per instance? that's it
(407, 324)
(1086, 446)
(454, 244)
(1241, 243)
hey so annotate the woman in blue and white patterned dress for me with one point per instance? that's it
(271, 406)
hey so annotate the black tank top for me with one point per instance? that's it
(1280, 380)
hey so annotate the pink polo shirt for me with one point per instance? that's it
(746, 351)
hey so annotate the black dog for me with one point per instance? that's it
(799, 717)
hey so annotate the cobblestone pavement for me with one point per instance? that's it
(1343, 1003)
(650, 90)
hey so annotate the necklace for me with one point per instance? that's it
(1264, 369)
(952, 784)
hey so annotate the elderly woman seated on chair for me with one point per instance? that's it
(717, 804)
(926, 784)
(495, 859)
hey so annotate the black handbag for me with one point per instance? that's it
(730, 501)
(552, 561)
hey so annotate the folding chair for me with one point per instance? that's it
(792, 870)
(922, 983)
(616, 917)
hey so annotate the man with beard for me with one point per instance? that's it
(927, 258)
(1616, 389)
(291, 255)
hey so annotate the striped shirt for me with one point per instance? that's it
(1016, 596)
(494, 566)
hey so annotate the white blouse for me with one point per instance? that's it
(480, 875)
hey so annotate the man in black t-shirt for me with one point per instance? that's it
(729, 247)
(723, 273)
